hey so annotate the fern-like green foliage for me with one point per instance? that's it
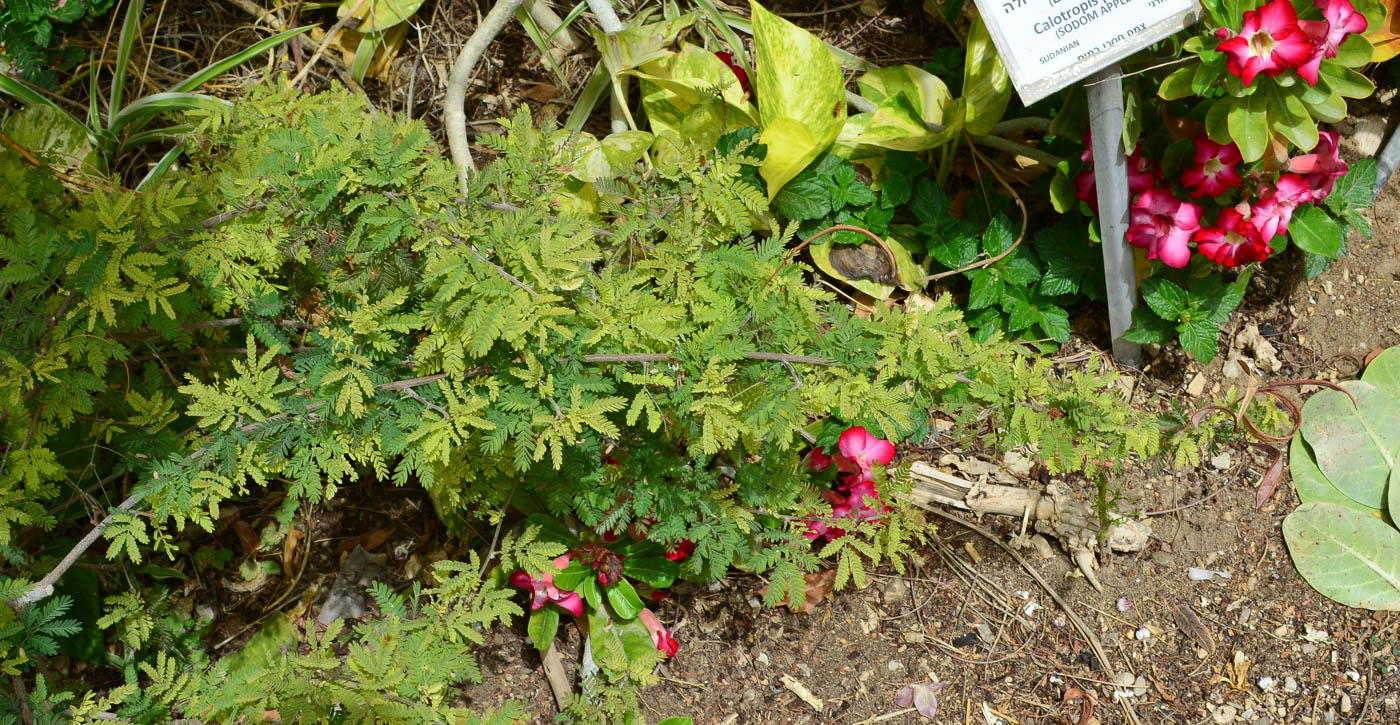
(310, 300)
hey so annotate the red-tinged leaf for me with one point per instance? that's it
(1269, 483)
(1201, 414)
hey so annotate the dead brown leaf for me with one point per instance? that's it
(290, 546)
(819, 585)
(1188, 622)
(371, 540)
(247, 537)
(541, 92)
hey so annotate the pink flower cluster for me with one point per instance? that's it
(1272, 39)
(1167, 227)
(855, 497)
(544, 590)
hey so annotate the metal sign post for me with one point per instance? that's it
(1049, 44)
(1105, 90)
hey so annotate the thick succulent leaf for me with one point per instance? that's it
(1346, 555)
(801, 94)
(1312, 486)
(1355, 447)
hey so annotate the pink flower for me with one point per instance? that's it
(1232, 241)
(682, 550)
(864, 450)
(817, 529)
(1270, 42)
(1341, 20)
(660, 636)
(1163, 226)
(1322, 167)
(864, 502)
(817, 460)
(1274, 209)
(1214, 172)
(544, 590)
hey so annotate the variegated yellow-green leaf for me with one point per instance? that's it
(624, 148)
(635, 46)
(675, 85)
(907, 269)
(62, 141)
(928, 93)
(986, 85)
(896, 124)
(801, 96)
(380, 15)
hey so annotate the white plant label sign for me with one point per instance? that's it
(1048, 44)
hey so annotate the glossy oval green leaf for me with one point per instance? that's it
(624, 600)
(986, 84)
(658, 571)
(543, 626)
(1355, 51)
(1355, 446)
(1289, 117)
(1217, 120)
(636, 45)
(570, 577)
(1346, 82)
(802, 96)
(54, 136)
(1329, 110)
(1345, 555)
(1177, 85)
(264, 648)
(1249, 126)
(1312, 486)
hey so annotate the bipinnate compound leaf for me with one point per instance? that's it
(801, 92)
(1355, 446)
(1346, 555)
(1312, 486)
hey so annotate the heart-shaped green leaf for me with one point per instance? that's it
(1355, 446)
(1346, 555)
(802, 93)
(1312, 486)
